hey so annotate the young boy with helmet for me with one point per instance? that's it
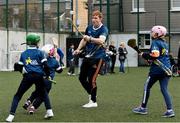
(54, 66)
(33, 64)
(158, 51)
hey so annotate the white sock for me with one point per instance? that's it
(169, 110)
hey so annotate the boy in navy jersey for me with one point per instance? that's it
(32, 64)
(158, 51)
(95, 36)
(54, 66)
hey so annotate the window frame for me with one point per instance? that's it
(143, 44)
(174, 8)
(135, 10)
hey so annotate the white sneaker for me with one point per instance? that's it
(10, 118)
(69, 73)
(91, 104)
(49, 114)
(31, 110)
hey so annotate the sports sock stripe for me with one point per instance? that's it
(96, 74)
(145, 89)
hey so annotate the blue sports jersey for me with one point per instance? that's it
(53, 65)
(90, 31)
(162, 47)
(32, 59)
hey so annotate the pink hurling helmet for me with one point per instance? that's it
(52, 51)
(160, 30)
(49, 49)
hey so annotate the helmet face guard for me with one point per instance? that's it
(52, 51)
(32, 39)
(48, 49)
(159, 30)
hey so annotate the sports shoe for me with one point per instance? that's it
(10, 118)
(63, 66)
(49, 114)
(27, 104)
(69, 73)
(140, 110)
(169, 114)
(31, 110)
(91, 104)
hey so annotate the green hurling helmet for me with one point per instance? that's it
(32, 39)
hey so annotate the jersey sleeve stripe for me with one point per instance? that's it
(43, 60)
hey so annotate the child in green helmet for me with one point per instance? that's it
(33, 64)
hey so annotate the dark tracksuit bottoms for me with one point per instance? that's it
(163, 81)
(28, 80)
(38, 101)
(89, 71)
(113, 61)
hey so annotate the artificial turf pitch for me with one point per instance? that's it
(117, 94)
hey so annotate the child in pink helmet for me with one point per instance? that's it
(33, 102)
(158, 51)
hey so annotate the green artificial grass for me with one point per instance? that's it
(118, 94)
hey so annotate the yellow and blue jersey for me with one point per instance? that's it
(32, 59)
(159, 50)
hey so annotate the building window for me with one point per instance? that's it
(145, 41)
(175, 5)
(47, 5)
(135, 6)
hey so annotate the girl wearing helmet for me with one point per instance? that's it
(158, 51)
(54, 66)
